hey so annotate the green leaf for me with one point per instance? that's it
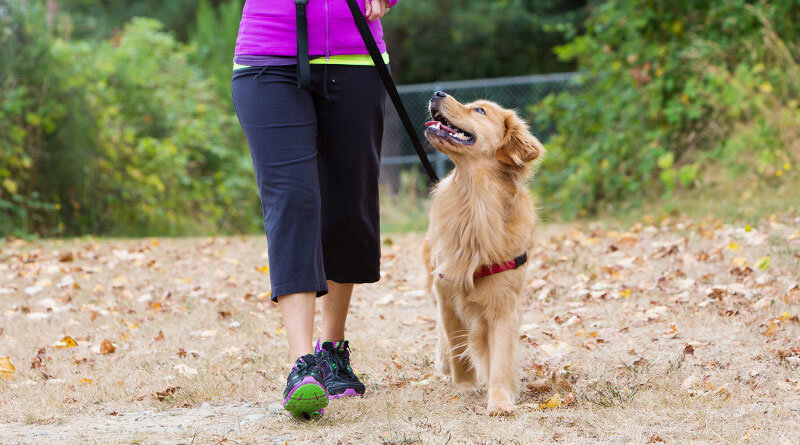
(666, 160)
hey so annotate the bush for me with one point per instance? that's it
(214, 38)
(670, 90)
(432, 40)
(27, 113)
(123, 136)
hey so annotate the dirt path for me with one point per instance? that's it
(673, 331)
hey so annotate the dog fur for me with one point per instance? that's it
(481, 214)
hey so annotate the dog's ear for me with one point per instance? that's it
(519, 146)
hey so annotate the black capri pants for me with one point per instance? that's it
(316, 155)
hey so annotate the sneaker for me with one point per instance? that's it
(342, 381)
(306, 395)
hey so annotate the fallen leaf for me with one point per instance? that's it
(263, 269)
(185, 370)
(656, 312)
(739, 262)
(762, 303)
(159, 337)
(396, 362)
(208, 333)
(66, 342)
(734, 246)
(167, 393)
(6, 368)
(38, 361)
(688, 350)
(772, 328)
(552, 402)
(763, 263)
(664, 251)
(106, 347)
(66, 257)
(86, 381)
(627, 241)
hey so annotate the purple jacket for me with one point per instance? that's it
(269, 28)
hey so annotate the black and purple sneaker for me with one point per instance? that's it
(342, 381)
(306, 395)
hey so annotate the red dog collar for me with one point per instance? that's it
(501, 267)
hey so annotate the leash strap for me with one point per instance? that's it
(303, 67)
(391, 89)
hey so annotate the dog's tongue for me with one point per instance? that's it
(441, 126)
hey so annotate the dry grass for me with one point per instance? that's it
(620, 360)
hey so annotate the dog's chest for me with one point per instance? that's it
(473, 229)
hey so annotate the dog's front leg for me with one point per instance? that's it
(453, 349)
(503, 368)
(443, 356)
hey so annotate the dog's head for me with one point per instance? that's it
(481, 130)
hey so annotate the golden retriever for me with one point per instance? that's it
(482, 219)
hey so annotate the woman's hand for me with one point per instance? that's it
(376, 9)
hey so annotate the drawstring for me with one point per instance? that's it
(262, 71)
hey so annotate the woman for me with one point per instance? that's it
(316, 154)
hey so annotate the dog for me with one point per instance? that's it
(482, 220)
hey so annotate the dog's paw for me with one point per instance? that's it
(501, 409)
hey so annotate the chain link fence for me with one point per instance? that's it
(511, 92)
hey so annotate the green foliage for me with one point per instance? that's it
(214, 38)
(24, 121)
(432, 40)
(670, 93)
(123, 136)
(101, 18)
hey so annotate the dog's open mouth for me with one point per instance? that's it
(442, 127)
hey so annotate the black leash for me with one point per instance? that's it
(304, 72)
(303, 67)
(383, 71)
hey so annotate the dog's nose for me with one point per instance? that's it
(439, 94)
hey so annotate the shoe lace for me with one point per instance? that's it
(302, 364)
(341, 358)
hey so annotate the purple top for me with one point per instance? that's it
(269, 28)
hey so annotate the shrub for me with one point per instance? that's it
(122, 136)
(214, 39)
(668, 90)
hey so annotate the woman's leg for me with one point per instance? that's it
(298, 318)
(350, 129)
(350, 132)
(280, 123)
(335, 306)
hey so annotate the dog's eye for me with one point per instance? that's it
(480, 110)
